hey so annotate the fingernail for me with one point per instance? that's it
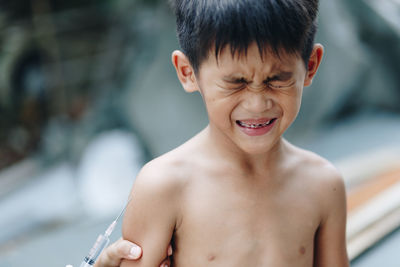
(169, 253)
(135, 252)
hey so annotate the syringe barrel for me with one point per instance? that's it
(85, 264)
(101, 242)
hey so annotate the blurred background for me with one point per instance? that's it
(88, 95)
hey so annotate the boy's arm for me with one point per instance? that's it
(150, 217)
(330, 241)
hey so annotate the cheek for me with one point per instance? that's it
(220, 109)
(211, 101)
(217, 100)
(214, 104)
(299, 97)
(291, 104)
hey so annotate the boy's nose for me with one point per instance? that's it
(257, 101)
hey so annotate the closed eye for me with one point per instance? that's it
(236, 83)
(241, 80)
(280, 81)
(279, 85)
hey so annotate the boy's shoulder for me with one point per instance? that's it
(157, 187)
(312, 165)
(319, 175)
(311, 170)
(170, 170)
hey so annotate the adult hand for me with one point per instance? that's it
(123, 249)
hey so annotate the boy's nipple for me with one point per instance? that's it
(302, 250)
(211, 257)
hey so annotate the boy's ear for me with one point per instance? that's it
(313, 63)
(185, 71)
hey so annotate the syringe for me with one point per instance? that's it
(101, 242)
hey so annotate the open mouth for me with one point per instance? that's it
(255, 125)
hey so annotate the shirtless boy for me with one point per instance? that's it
(238, 193)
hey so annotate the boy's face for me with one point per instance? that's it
(250, 101)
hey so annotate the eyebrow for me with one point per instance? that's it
(234, 79)
(281, 76)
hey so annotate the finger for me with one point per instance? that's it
(135, 252)
(169, 252)
(121, 249)
(166, 263)
(127, 250)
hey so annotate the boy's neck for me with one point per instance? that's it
(265, 162)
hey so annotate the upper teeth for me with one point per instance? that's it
(254, 125)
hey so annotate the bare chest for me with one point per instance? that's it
(233, 226)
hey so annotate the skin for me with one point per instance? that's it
(123, 249)
(227, 198)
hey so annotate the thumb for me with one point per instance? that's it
(116, 252)
(129, 250)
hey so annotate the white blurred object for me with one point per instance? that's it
(107, 170)
(47, 197)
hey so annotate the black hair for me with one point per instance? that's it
(275, 24)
